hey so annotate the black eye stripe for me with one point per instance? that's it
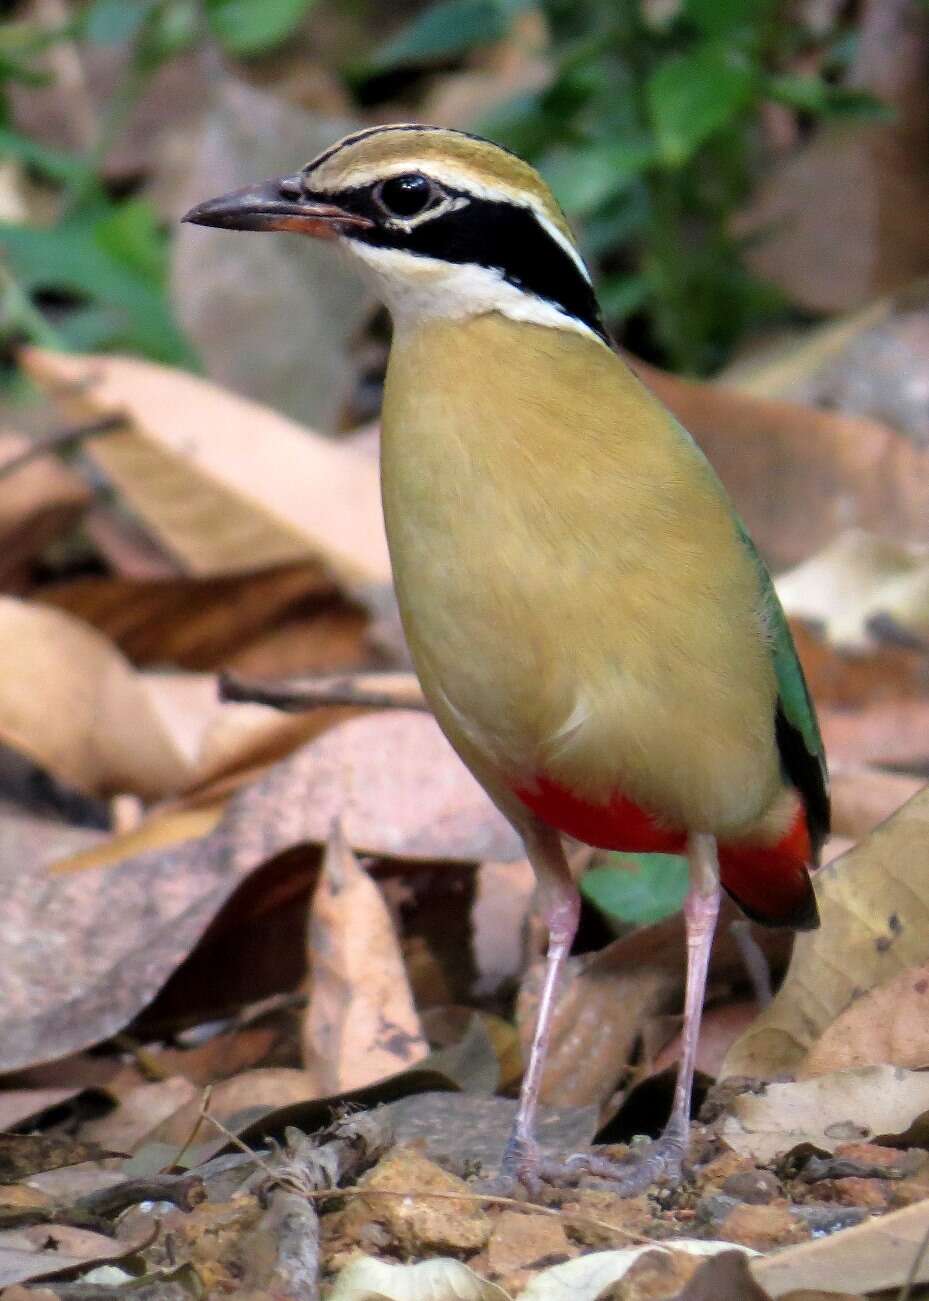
(492, 233)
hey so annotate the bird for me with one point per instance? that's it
(593, 629)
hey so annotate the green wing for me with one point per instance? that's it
(798, 737)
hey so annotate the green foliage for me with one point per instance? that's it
(637, 889)
(247, 27)
(648, 131)
(649, 135)
(450, 27)
(692, 97)
(109, 260)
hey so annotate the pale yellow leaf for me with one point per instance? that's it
(846, 1106)
(874, 908)
(870, 1257)
(360, 1023)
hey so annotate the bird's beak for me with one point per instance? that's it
(278, 204)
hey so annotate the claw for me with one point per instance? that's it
(662, 1162)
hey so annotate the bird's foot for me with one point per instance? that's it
(658, 1161)
(520, 1167)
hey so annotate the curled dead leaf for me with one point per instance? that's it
(845, 1106)
(874, 906)
(360, 1023)
(889, 1024)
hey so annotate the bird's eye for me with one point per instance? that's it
(406, 196)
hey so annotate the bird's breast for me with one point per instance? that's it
(576, 600)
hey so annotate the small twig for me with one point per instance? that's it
(370, 690)
(490, 1199)
(185, 1191)
(195, 1128)
(96, 1210)
(59, 438)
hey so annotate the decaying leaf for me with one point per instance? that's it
(870, 1257)
(22, 1155)
(862, 798)
(889, 1024)
(121, 925)
(589, 1277)
(874, 907)
(228, 485)
(71, 702)
(798, 475)
(42, 1252)
(38, 502)
(892, 732)
(846, 1106)
(597, 1022)
(858, 580)
(360, 1024)
(399, 790)
(192, 623)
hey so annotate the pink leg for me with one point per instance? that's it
(663, 1159)
(561, 908)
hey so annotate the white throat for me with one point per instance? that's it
(414, 287)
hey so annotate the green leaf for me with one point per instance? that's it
(637, 889)
(53, 163)
(620, 296)
(131, 234)
(448, 28)
(812, 95)
(246, 27)
(97, 258)
(582, 179)
(721, 19)
(114, 22)
(691, 97)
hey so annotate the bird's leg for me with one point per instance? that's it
(561, 909)
(664, 1157)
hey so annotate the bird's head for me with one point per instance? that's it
(446, 223)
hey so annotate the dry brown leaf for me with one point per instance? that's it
(798, 475)
(38, 502)
(38, 1252)
(856, 580)
(874, 907)
(139, 1111)
(870, 1257)
(846, 1106)
(892, 732)
(228, 485)
(853, 681)
(73, 704)
(120, 926)
(361, 1024)
(873, 174)
(192, 623)
(862, 798)
(399, 790)
(719, 1028)
(889, 1024)
(262, 1089)
(70, 701)
(596, 1024)
(18, 1106)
